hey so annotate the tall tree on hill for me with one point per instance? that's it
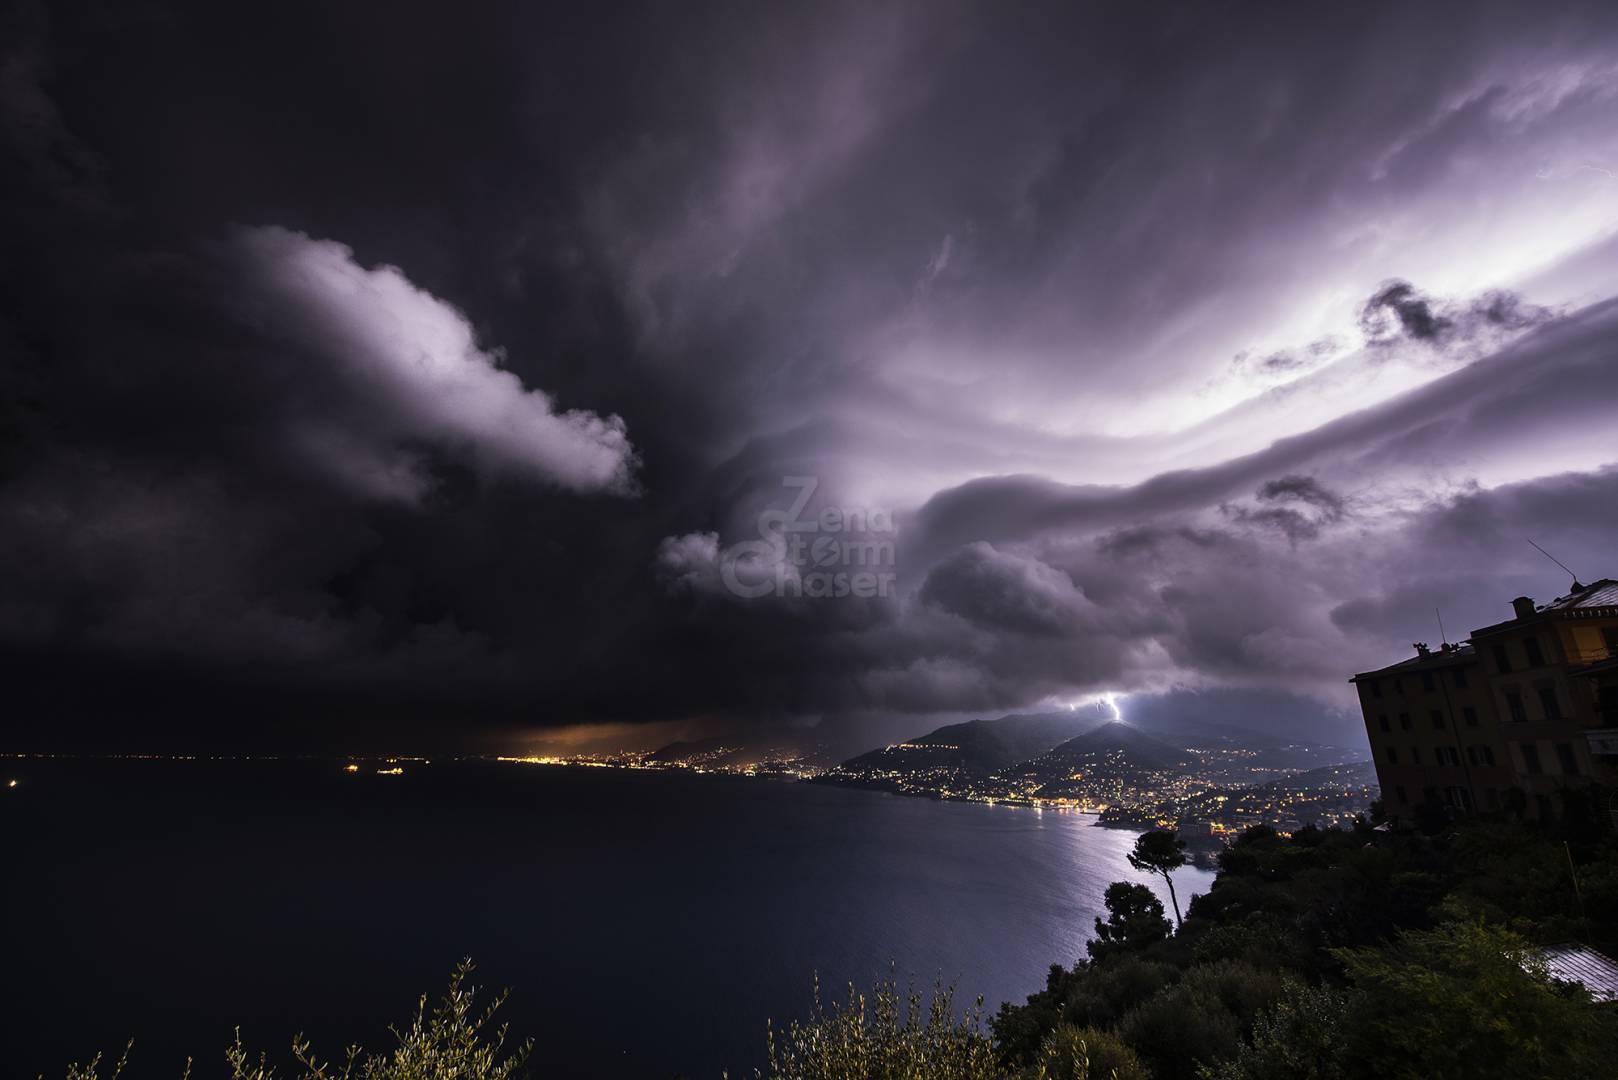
(1160, 852)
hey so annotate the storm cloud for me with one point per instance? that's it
(540, 316)
(415, 373)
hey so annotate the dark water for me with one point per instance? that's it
(647, 923)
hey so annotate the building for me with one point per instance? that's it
(1525, 709)
(1594, 971)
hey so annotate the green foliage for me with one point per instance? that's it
(1299, 1037)
(1180, 1028)
(1020, 1030)
(1262, 940)
(1073, 1053)
(452, 1042)
(1345, 953)
(1468, 1000)
(885, 1038)
(1134, 920)
(1106, 993)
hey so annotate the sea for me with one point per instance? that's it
(647, 924)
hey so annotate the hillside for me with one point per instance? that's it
(1120, 742)
(977, 749)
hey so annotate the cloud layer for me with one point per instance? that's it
(1193, 352)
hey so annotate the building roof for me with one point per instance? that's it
(1601, 598)
(1595, 971)
(1437, 658)
(1603, 594)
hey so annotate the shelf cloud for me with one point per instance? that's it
(761, 366)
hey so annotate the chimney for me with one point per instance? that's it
(1524, 607)
(1421, 648)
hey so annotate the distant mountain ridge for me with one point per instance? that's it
(1135, 747)
(686, 750)
(981, 747)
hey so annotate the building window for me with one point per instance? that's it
(1399, 687)
(1564, 755)
(1609, 635)
(1502, 662)
(1376, 688)
(1382, 722)
(1536, 658)
(1454, 756)
(1393, 755)
(1471, 755)
(1437, 718)
(1488, 755)
(1514, 704)
(1530, 759)
(1548, 702)
(1399, 793)
(1460, 678)
(1415, 755)
(1470, 715)
(1427, 681)
(1404, 721)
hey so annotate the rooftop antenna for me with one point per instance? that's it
(1555, 560)
(1443, 637)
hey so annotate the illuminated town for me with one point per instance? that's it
(1206, 791)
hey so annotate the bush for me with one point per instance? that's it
(1180, 1029)
(1073, 1053)
(1468, 1000)
(453, 1042)
(1103, 995)
(1239, 986)
(1299, 1037)
(879, 1040)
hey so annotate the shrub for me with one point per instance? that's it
(1073, 1053)
(1299, 1037)
(1468, 1000)
(1102, 996)
(1180, 1029)
(453, 1042)
(1239, 987)
(877, 1039)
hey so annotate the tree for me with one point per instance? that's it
(1135, 920)
(1160, 852)
(1466, 1000)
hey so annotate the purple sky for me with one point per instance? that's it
(411, 372)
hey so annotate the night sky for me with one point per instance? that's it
(399, 374)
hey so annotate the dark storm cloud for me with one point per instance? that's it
(537, 309)
(1003, 591)
(1398, 310)
(1319, 507)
